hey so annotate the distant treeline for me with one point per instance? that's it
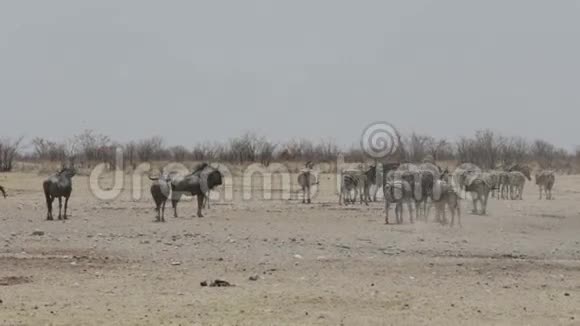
(485, 148)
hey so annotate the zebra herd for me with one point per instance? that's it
(420, 186)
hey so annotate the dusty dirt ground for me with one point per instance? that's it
(318, 264)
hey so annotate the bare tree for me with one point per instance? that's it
(179, 153)
(8, 152)
(544, 153)
(150, 149)
(46, 150)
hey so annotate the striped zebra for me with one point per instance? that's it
(399, 192)
(517, 181)
(503, 184)
(446, 196)
(306, 179)
(353, 180)
(545, 181)
(479, 185)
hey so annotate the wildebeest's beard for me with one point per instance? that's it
(214, 179)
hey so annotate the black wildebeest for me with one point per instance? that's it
(198, 183)
(58, 186)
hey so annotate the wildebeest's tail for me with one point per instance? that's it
(46, 187)
(3, 191)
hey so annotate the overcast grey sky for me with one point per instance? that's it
(202, 70)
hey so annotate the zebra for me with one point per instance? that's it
(545, 181)
(445, 195)
(353, 180)
(160, 191)
(307, 179)
(398, 192)
(503, 184)
(479, 185)
(517, 181)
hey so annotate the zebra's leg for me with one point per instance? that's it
(386, 211)
(410, 208)
(458, 208)
(399, 212)
(452, 209)
(541, 192)
(485, 199)
(308, 192)
(474, 200)
(417, 210)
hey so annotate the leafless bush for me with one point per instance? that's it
(484, 149)
(151, 149)
(93, 148)
(243, 148)
(130, 154)
(415, 147)
(8, 152)
(265, 151)
(514, 150)
(179, 153)
(207, 151)
(544, 153)
(45, 150)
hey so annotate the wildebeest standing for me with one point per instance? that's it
(58, 186)
(198, 184)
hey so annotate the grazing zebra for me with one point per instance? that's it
(3, 191)
(58, 186)
(461, 173)
(545, 181)
(398, 192)
(307, 179)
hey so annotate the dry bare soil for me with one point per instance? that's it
(318, 264)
